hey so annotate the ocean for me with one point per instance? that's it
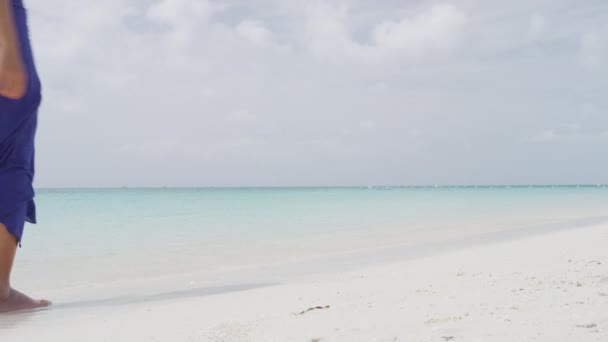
(92, 241)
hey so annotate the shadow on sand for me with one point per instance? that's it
(13, 319)
(138, 299)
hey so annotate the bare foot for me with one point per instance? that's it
(18, 301)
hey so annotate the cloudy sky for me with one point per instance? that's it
(311, 92)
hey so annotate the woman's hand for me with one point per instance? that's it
(13, 77)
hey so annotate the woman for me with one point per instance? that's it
(19, 101)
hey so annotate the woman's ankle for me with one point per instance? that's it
(5, 292)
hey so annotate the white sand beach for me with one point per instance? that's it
(547, 287)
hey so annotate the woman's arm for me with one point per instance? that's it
(13, 77)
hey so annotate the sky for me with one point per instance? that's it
(320, 93)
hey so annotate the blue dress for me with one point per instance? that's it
(18, 121)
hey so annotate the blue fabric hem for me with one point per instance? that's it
(15, 220)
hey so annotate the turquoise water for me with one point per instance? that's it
(103, 235)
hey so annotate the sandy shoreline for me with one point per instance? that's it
(550, 287)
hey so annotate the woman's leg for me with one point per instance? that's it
(10, 299)
(8, 248)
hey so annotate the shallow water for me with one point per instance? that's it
(89, 240)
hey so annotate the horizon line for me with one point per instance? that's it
(328, 186)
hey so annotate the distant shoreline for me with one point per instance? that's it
(375, 187)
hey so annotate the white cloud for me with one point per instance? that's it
(569, 132)
(257, 33)
(156, 149)
(182, 15)
(206, 91)
(327, 36)
(436, 30)
(592, 53)
(367, 124)
(537, 26)
(254, 31)
(240, 116)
